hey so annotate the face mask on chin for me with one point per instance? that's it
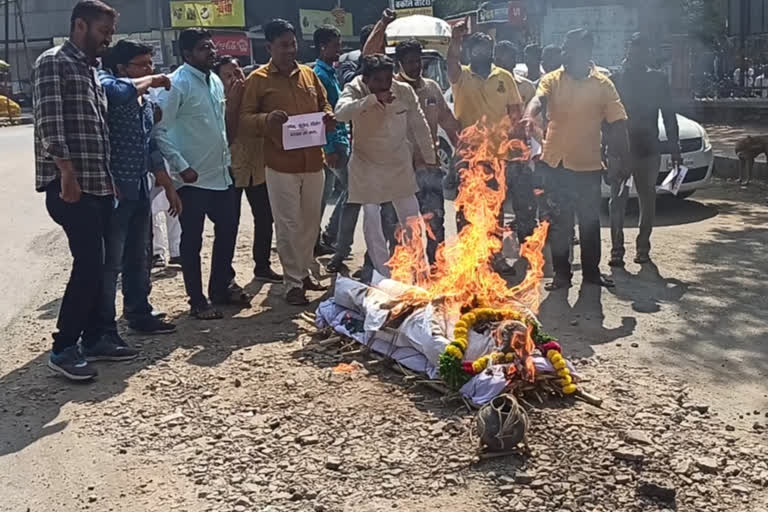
(408, 78)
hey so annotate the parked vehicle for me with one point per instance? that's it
(694, 141)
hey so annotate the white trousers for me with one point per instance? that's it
(296, 200)
(164, 225)
(375, 241)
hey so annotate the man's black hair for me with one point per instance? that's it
(276, 28)
(365, 33)
(478, 38)
(223, 60)
(189, 38)
(579, 37)
(374, 63)
(406, 47)
(90, 11)
(532, 50)
(551, 48)
(123, 52)
(509, 47)
(324, 35)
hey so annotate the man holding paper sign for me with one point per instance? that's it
(286, 104)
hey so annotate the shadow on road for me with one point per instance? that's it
(31, 397)
(581, 326)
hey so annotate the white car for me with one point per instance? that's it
(694, 141)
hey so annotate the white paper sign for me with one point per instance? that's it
(304, 131)
(674, 179)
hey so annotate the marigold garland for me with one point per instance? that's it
(452, 370)
(455, 373)
(561, 367)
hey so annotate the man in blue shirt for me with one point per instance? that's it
(126, 77)
(193, 138)
(328, 44)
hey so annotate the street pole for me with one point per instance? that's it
(744, 9)
(7, 32)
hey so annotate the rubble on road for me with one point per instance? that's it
(376, 436)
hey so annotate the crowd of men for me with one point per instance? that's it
(112, 138)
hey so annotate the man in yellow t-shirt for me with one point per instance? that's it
(579, 99)
(485, 91)
(506, 57)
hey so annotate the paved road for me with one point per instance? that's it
(700, 316)
(30, 239)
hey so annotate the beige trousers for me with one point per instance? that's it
(296, 200)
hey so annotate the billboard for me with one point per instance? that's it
(405, 8)
(311, 19)
(237, 45)
(214, 13)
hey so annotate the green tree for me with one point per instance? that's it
(706, 21)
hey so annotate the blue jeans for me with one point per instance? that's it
(125, 242)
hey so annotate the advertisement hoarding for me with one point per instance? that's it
(311, 19)
(214, 13)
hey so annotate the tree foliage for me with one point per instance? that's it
(706, 21)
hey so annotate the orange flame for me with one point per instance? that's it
(462, 275)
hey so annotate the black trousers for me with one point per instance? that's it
(84, 223)
(519, 181)
(219, 207)
(258, 198)
(567, 194)
(432, 204)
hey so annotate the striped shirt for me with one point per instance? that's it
(70, 111)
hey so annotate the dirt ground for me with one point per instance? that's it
(245, 414)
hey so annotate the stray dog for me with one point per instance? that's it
(747, 149)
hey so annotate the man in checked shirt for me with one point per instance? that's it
(72, 167)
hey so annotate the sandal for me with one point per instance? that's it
(236, 296)
(205, 312)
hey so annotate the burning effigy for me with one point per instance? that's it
(458, 320)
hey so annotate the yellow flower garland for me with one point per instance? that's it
(561, 367)
(460, 342)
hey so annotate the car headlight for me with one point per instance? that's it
(705, 139)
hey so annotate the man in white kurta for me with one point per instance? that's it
(383, 114)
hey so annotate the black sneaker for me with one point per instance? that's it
(322, 249)
(267, 276)
(313, 285)
(337, 267)
(111, 347)
(176, 261)
(152, 325)
(158, 261)
(297, 297)
(71, 364)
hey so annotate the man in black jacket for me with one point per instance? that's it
(644, 92)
